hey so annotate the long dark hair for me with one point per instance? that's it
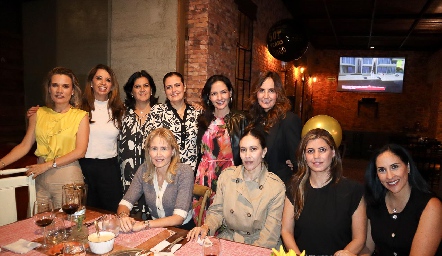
(300, 179)
(206, 118)
(277, 112)
(114, 104)
(374, 190)
(130, 100)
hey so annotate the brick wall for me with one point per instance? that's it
(397, 112)
(212, 38)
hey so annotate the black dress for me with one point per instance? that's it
(393, 233)
(324, 226)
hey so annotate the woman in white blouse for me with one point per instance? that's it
(100, 166)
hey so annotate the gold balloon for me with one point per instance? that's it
(327, 123)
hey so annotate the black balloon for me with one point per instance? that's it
(287, 40)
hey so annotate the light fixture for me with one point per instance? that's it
(302, 70)
(314, 79)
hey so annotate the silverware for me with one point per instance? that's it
(169, 248)
(90, 223)
(97, 229)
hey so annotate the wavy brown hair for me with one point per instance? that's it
(299, 180)
(75, 98)
(277, 112)
(114, 104)
(168, 136)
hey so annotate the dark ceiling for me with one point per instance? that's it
(361, 24)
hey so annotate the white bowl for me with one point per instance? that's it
(102, 244)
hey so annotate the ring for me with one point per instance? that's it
(32, 173)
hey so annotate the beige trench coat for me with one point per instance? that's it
(250, 210)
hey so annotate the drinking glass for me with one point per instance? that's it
(110, 222)
(211, 246)
(71, 200)
(74, 248)
(43, 216)
(56, 232)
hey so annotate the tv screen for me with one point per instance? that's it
(371, 74)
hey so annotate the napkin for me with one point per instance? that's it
(157, 248)
(21, 246)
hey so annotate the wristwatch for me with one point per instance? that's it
(54, 164)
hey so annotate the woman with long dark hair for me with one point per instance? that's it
(219, 130)
(404, 217)
(270, 111)
(100, 167)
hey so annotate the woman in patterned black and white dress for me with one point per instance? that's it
(140, 92)
(178, 116)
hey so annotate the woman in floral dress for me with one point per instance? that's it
(219, 131)
(140, 97)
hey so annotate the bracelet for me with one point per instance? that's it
(123, 214)
(3, 163)
(208, 229)
(147, 222)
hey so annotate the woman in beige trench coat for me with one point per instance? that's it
(249, 199)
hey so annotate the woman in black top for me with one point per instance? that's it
(270, 111)
(404, 218)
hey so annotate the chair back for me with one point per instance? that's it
(7, 194)
(203, 193)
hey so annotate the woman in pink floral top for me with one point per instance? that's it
(219, 131)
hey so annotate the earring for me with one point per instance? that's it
(208, 102)
(231, 100)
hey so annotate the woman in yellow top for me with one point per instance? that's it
(61, 132)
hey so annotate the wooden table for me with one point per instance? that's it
(145, 240)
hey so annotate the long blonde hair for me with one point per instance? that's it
(168, 136)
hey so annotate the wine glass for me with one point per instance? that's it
(43, 216)
(71, 200)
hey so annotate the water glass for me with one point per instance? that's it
(211, 246)
(111, 222)
(57, 230)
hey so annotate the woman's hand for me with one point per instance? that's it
(32, 111)
(126, 224)
(196, 231)
(37, 169)
(139, 225)
(344, 253)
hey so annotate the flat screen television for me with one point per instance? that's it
(371, 74)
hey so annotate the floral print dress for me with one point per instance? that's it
(217, 156)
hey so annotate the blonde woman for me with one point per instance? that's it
(61, 131)
(167, 186)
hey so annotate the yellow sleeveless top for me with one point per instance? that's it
(55, 133)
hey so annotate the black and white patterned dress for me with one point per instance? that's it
(185, 130)
(131, 149)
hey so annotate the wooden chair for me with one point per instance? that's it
(203, 193)
(8, 214)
